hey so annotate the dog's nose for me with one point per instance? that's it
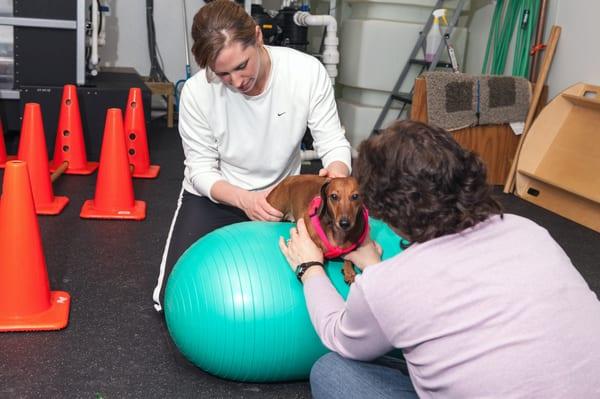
(345, 223)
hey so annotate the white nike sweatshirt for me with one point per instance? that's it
(254, 141)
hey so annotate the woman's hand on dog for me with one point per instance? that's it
(369, 253)
(300, 248)
(335, 169)
(256, 207)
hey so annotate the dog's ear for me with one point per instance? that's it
(360, 219)
(323, 208)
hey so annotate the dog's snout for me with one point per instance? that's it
(345, 223)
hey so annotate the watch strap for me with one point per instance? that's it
(303, 267)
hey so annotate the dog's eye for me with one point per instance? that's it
(355, 197)
(334, 196)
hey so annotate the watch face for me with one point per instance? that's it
(303, 267)
(300, 271)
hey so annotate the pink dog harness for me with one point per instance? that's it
(333, 251)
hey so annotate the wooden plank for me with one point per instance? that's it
(583, 102)
(418, 110)
(561, 185)
(495, 144)
(509, 185)
(579, 209)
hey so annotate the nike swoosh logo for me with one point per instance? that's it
(279, 114)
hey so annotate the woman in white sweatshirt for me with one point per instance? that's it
(242, 118)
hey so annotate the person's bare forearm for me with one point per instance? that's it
(253, 203)
(226, 193)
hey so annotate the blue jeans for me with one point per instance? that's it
(333, 376)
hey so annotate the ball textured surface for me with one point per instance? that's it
(235, 309)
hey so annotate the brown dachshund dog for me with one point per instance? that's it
(340, 211)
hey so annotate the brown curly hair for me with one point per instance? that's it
(217, 24)
(421, 182)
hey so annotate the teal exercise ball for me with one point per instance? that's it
(235, 309)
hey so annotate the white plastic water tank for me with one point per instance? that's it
(375, 42)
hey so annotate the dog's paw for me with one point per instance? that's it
(349, 277)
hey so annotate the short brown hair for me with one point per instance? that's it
(217, 24)
(419, 180)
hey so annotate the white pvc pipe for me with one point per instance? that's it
(308, 155)
(330, 56)
(94, 55)
(102, 33)
(102, 23)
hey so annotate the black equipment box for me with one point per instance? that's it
(45, 56)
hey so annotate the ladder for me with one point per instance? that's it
(406, 98)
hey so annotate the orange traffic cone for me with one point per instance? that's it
(26, 302)
(137, 140)
(3, 156)
(32, 149)
(70, 146)
(114, 187)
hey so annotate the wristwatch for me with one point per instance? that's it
(303, 267)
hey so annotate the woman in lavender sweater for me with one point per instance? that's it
(482, 305)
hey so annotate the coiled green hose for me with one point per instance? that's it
(519, 14)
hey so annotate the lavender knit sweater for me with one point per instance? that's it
(497, 311)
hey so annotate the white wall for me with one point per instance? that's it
(577, 57)
(578, 54)
(127, 43)
(126, 36)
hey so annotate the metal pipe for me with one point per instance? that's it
(539, 39)
(80, 40)
(39, 22)
(185, 37)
